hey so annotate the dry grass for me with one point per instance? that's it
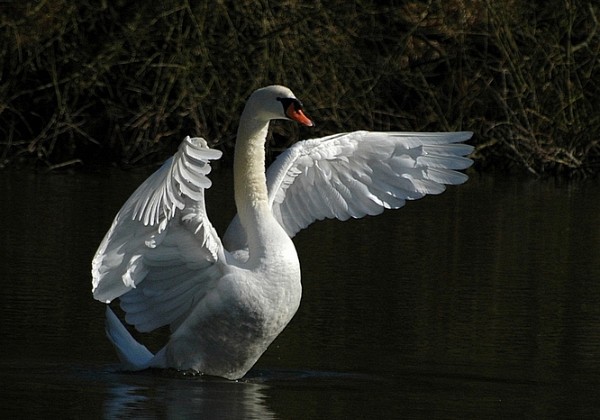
(122, 82)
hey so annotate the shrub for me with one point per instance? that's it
(93, 82)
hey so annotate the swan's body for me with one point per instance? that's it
(225, 302)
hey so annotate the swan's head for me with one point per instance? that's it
(277, 103)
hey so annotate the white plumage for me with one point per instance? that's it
(225, 302)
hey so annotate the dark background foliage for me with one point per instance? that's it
(122, 82)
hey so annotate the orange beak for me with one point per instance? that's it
(298, 115)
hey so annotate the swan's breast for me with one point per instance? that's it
(234, 324)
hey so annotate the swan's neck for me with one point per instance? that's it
(251, 196)
(249, 166)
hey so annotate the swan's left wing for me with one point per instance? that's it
(362, 173)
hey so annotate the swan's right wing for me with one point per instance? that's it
(162, 254)
(362, 173)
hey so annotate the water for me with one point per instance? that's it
(479, 303)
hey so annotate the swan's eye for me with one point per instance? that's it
(287, 102)
(292, 108)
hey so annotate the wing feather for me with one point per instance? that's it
(161, 253)
(361, 173)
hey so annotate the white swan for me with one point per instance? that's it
(225, 302)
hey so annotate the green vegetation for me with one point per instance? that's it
(98, 82)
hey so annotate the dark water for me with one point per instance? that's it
(479, 303)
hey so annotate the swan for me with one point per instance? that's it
(226, 300)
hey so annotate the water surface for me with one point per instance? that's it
(481, 302)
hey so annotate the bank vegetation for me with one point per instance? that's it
(121, 82)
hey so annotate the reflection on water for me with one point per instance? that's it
(157, 395)
(481, 302)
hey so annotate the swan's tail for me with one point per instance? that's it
(133, 355)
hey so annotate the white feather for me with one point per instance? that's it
(164, 260)
(361, 173)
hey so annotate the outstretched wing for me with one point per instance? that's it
(362, 173)
(161, 252)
